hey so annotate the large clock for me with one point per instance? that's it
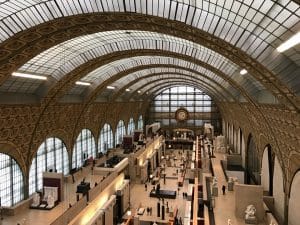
(181, 114)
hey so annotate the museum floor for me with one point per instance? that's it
(224, 204)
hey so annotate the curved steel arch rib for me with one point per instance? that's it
(226, 95)
(69, 80)
(195, 82)
(162, 87)
(223, 76)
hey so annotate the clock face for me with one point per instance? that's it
(181, 114)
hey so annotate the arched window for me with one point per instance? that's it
(131, 126)
(106, 140)
(120, 132)
(253, 163)
(11, 178)
(294, 215)
(200, 107)
(267, 168)
(51, 155)
(140, 123)
(84, 148)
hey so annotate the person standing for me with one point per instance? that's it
(223, 189)
(145, 186)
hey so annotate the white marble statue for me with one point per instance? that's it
(35, 200)
(229, 222)
(250, 216)
(215, 182)
(50, 201)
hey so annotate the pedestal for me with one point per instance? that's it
(230, 186)
(215, 191)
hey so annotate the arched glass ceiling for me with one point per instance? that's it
(120, 83)
(65, 57)
(107, 71)
(153, 73)
(248, 81)
(179, 77)
(142, 73)
(262, 22)
(158, 86)
(256, 27)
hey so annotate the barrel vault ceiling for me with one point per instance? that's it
(138, 45)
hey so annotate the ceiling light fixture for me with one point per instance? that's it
(31, 76)
(291, 42)
(139, 91)
(127, 89)
(243, 72)
(110, 87)
(83, 83)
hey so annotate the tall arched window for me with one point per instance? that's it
(131, 126)
(84, 148)
(253, 163)
(106, 140)
(294, 199)
(200, 107)
(11, 181)
(51, 155)
(120, 132)
(140, 123)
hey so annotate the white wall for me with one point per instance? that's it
(246, 195)
(294, 201)
(278, 191)
(265, 176)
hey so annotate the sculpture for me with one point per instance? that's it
(35, 200)
(215, 182)
(50, 201)
(250, 216)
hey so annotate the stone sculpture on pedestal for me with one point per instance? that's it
(250, 217)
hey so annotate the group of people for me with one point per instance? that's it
(184, 194)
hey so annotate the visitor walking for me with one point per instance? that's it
(223, 189)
